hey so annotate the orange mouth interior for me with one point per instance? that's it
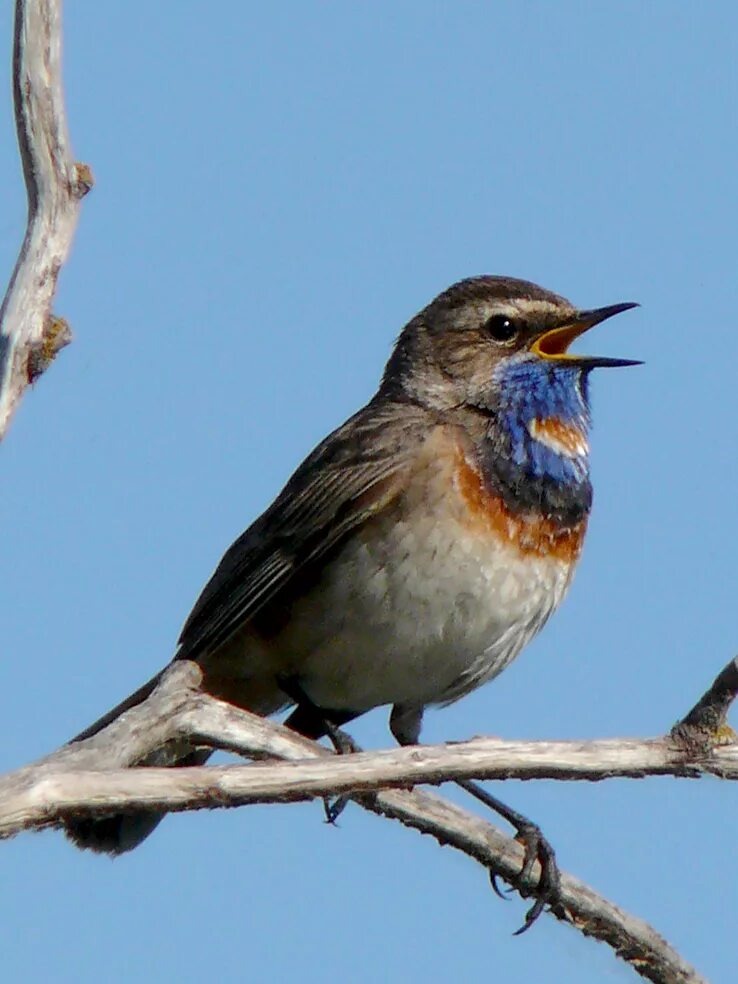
(556, 342)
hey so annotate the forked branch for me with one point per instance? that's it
(94, 777)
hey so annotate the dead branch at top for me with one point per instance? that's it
(30, 336)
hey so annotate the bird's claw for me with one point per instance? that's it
(501, 893)
(343, 744)
(535, 848)
(334, 808)
(548, 890)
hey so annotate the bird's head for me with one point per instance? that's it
(485, 335)
(500, 348)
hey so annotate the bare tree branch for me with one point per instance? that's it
(30, 336)
(58, 792)
(69, 782)
(90, 778)
(632, 939)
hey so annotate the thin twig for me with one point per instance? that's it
(705, 726)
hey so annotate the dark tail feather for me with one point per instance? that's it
(121, 832)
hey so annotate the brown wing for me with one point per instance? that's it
(352, 475)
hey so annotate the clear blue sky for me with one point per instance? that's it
(279, 188)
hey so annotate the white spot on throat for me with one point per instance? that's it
(563, 439)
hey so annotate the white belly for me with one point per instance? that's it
(418, 613)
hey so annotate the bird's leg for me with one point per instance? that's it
(405, 724)
(314, 722)
(535, 847)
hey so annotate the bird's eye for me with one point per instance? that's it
(501, 328)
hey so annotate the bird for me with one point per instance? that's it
(419, 547)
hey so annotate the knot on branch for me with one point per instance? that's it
(706, 727)
(82, 179)
(57, 335)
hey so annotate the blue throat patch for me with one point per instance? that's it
(533, 473)
(532, 389)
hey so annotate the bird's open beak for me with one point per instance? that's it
(554, 344)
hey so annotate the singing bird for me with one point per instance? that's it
(420, 546)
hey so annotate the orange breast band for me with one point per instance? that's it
(531, 533)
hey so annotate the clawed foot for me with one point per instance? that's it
(344, 744)
(535, 847)
(312, 721)
(341, 740)
(538, 848)
(333, 808)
